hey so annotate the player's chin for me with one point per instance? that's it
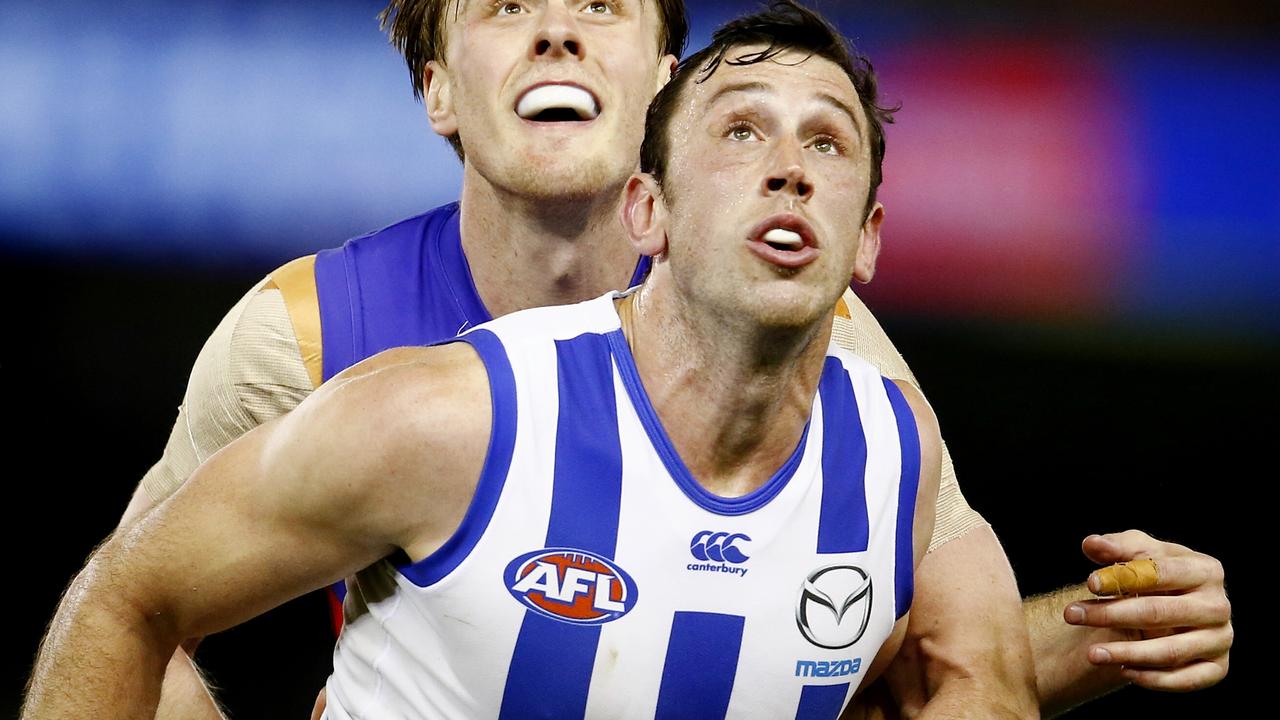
(560, 176)
(790, 306)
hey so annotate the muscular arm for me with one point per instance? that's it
(923, 518)
(250, 371)
(966, 649)
(352, 475)
(965, 554)
(966, 652)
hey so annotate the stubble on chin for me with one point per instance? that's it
(555, 180)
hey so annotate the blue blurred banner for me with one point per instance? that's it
(1029, 175)
(207, 129)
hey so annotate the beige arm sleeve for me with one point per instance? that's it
(862, 335)
(250, 371)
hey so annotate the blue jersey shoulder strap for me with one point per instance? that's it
(407, 284)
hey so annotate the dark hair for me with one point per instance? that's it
(416, 29)
(783, 26)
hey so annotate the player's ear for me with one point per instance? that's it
(864, 265)
(438, 99)
(666, 68)
(644, 215)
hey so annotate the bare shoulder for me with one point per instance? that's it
(926, 420)
(930, 465)
(403, 437)
(418, 399)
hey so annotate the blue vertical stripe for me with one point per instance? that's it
(842, 523)
(702, 659)
(909, 439)
(550, 672)
(588, 475)
(822, 702)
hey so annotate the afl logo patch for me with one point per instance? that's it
(572, 586)
(834, 606)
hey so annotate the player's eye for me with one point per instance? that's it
(827, 146)
(599, 8)
(741, 132)
(510, 9)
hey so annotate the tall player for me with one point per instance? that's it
(551, 123)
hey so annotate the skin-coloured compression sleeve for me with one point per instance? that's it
(862, 335)
(250, 371)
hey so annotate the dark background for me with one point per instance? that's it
(1064, 418)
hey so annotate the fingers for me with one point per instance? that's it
(1178, 663)
(1126, 578)
(1172, 652)
(1187, 679)
(1187, 633)
(1151, 612)
(1127, 545)
(1173, 573)
(1180, 568)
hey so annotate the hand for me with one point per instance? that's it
(1179, 634)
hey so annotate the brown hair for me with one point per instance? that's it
(417, 29)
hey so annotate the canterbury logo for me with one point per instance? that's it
(718, 547)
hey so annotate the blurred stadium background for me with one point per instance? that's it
(1082, 263)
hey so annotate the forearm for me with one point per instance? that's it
(186, 694)
(101, 658)
(1064, 676)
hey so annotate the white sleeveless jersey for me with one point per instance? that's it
(592, 576)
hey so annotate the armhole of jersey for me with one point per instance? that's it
(493, 476)
(296, 282)
(908, 486)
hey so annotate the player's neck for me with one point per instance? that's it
(528, 252)
(733, 398)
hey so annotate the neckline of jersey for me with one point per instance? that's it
(675, 465)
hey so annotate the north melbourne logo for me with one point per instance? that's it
(834, 606)
(718, 552)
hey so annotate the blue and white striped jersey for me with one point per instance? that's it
(592, 576)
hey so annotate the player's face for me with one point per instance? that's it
(766, 187)
(549, 96)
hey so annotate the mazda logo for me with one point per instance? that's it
(834, 606)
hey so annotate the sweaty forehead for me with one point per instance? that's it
(790, 69)
(797, 75)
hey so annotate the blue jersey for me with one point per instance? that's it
(593, 576)
(407, 284)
